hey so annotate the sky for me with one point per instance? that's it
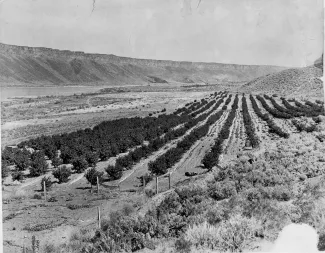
(258, 32)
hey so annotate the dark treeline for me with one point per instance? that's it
(136, 155)
(292, 113)
(273, 128)
(194, 106)
(305, 110)
(248, 123)
(204, 108)
(211, 159)
(274, 112)
(161, 165)
(316, 107)
(310, 106)
(84, 148)
(227, 103)
(190, 107)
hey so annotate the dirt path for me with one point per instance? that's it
(261, 128)
(142, 168)
(192, 160)
(234, 143)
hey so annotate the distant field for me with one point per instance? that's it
(33, 92)
(32, 114)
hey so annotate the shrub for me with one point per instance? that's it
(53, 199)
(217, 214)
(56, 162)
(21, 159)
(237, 234)
(321, 242)
(92, 175)
(50, 248)
(203, 235)
(301, 126)
(48, 183)
(38, 165)
(224, 190)
(37, 196)
(127, 209)
(115, 172)
(317, 120)
(75, 206)
(18, 175)
(281, 193)
(80, 164)
(92, 158)
(150, 193)
(182, 245)
(62, 174)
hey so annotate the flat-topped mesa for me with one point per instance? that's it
(40, 64)
(38, 51)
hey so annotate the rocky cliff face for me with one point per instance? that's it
(51, 66)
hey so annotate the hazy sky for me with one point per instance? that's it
(276, 32)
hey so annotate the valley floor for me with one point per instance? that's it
(75, 204)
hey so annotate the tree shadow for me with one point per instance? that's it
(85, 188)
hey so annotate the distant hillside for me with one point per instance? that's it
(50, 66)
(291, 82)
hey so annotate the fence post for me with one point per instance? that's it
(169, 180)
(98, 209)
(97, 186)
(157, 191)
(37, 246)
(44, 188)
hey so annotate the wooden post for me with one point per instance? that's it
(98, 209)
(37, 246)
(97, 186)
(24, 250)
(44, 188)
(157, 191)
(169, 183)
